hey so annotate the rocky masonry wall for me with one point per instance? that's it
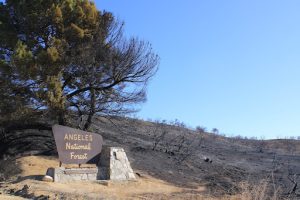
(120, 168)
(62, 174)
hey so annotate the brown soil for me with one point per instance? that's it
(9, 197)
(34, 167)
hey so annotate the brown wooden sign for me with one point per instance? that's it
(76, 146)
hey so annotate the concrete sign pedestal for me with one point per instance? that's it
(62, 174)
(114, 162)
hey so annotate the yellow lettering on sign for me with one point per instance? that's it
(74, 156)
(71, 137)
(78, 146)
(78, 137)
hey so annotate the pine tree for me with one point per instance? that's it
(65, 56)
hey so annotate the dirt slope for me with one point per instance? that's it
(33, 168)
(233, 161)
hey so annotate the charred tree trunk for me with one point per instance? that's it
(92, 111)
(61, 118)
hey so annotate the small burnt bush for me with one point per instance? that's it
(8, 169)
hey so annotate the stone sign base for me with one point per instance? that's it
(113, 165)
(62, 174)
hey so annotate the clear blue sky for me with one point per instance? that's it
(231, 65)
